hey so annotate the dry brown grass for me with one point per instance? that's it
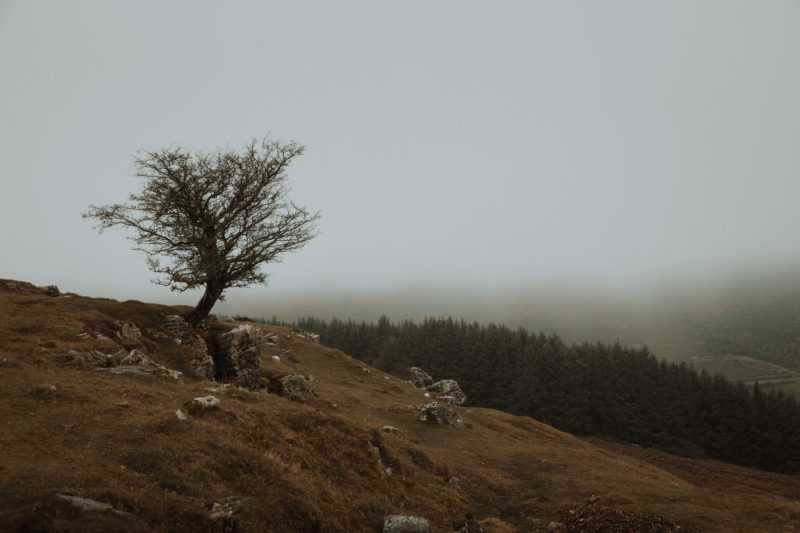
(303, 467)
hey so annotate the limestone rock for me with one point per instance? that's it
(394, 523)
(85, 504)
(273, 339)
(238, 355)
(419, 378)
(205, 367)
(289, 356)
(449, 391)
(294, 388)
(100, 359)
(127, 330)
(51, 290)
(138, 357)
(202, 405)
(225, 509)
(390, 429)
(433, 413)
(183, 332)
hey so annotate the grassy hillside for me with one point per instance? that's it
(750, 370)
(75, 430)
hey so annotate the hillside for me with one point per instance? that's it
(769, 376)
(316, 466)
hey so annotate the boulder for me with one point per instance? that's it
(294, 388)
(100, 359)
(202, 405)
(290, 356)
(225, 509)
(448, 391)
(237, 355)
(394, 523)
(127, 330)
(51, 290)
(138, 357)
(433, 413)
(419, 378)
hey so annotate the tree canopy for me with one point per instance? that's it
(212, 219)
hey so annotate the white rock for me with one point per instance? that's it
(180, 414)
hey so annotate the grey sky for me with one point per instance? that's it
(458, 143)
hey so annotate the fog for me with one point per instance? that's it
(467, 159)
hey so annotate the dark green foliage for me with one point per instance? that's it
(588, 389)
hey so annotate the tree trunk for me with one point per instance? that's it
(203, 307)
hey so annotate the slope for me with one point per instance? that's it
(319, 466)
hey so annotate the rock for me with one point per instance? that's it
(218, 390)
(384, 471)
(394, 523)
(555, 526)
(470, 525)
(290, 356)
(127, 330)
(273, 339)
(202, 405)
(138, 357)
(205, 367)
(433, 413)
(72, 355)
(159, 370)
(419, 378)
(460, 422)
(99, 358)
(592, 499)
(225, 509)
(390, 429)
(454, 483)
(294, 388)
(449, 391)
(366, 370)
(51, 290)
(237, 355)
(85, 504)
(183, 332)
(180, 414)
(276, 359)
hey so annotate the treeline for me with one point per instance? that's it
(588, 389)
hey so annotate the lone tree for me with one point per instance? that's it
(212, 219)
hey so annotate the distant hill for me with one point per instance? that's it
(750, 370)
(324, 465)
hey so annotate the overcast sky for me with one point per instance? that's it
(483, 144)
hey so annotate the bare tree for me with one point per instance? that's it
(212, 219)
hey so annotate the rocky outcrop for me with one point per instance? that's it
(205, 367)
(222, 513)
(51, 290)
(202, 405)
(127, 330)
(419, 378)
(434, 413)
(237, 355)
(449, 391)
(94, 358)
(294, 388)
(394, 523)
(137, 362)
(184, 334)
